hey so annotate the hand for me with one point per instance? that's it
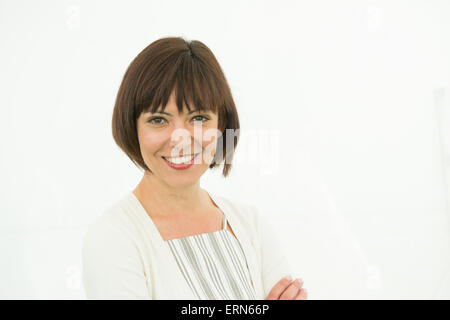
(286, 289)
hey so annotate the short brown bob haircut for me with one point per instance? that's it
(192, 71)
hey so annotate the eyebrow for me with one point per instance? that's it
(190, 112)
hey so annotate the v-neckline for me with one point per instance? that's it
(238, 235)
(160, 237)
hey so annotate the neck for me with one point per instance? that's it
(164, 200)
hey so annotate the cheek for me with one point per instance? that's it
(151, 141)
(209, 140)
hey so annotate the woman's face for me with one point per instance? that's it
(164, 137)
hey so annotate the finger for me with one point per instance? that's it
(279, 288)
(292, 291)
(302, 295)
(299, 283)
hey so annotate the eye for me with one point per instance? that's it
(159, 120)
(206, 118)
(152, 120)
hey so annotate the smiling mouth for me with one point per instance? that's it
(181, 160)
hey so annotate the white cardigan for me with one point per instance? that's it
(125, 257)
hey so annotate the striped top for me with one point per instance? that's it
(214, 265)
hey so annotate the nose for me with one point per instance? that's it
(186, 140)
(178, 136)
(180, 139)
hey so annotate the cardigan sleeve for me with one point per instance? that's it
(274, 260)
(112, 267)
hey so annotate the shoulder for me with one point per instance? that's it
(245, 213)
(112, 261)
(113, 225)
(242, 209)
(250, 216)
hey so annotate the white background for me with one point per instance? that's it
(356, 94)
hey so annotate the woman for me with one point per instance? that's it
(175, 117)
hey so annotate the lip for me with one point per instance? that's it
(182, 166)
(192, 154)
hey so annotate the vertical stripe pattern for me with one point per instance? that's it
(214, 265)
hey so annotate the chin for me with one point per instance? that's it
(179, 178)
(182, 182)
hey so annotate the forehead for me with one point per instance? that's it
(182, 103)
(173, 108)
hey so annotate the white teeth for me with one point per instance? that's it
(180, 160)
